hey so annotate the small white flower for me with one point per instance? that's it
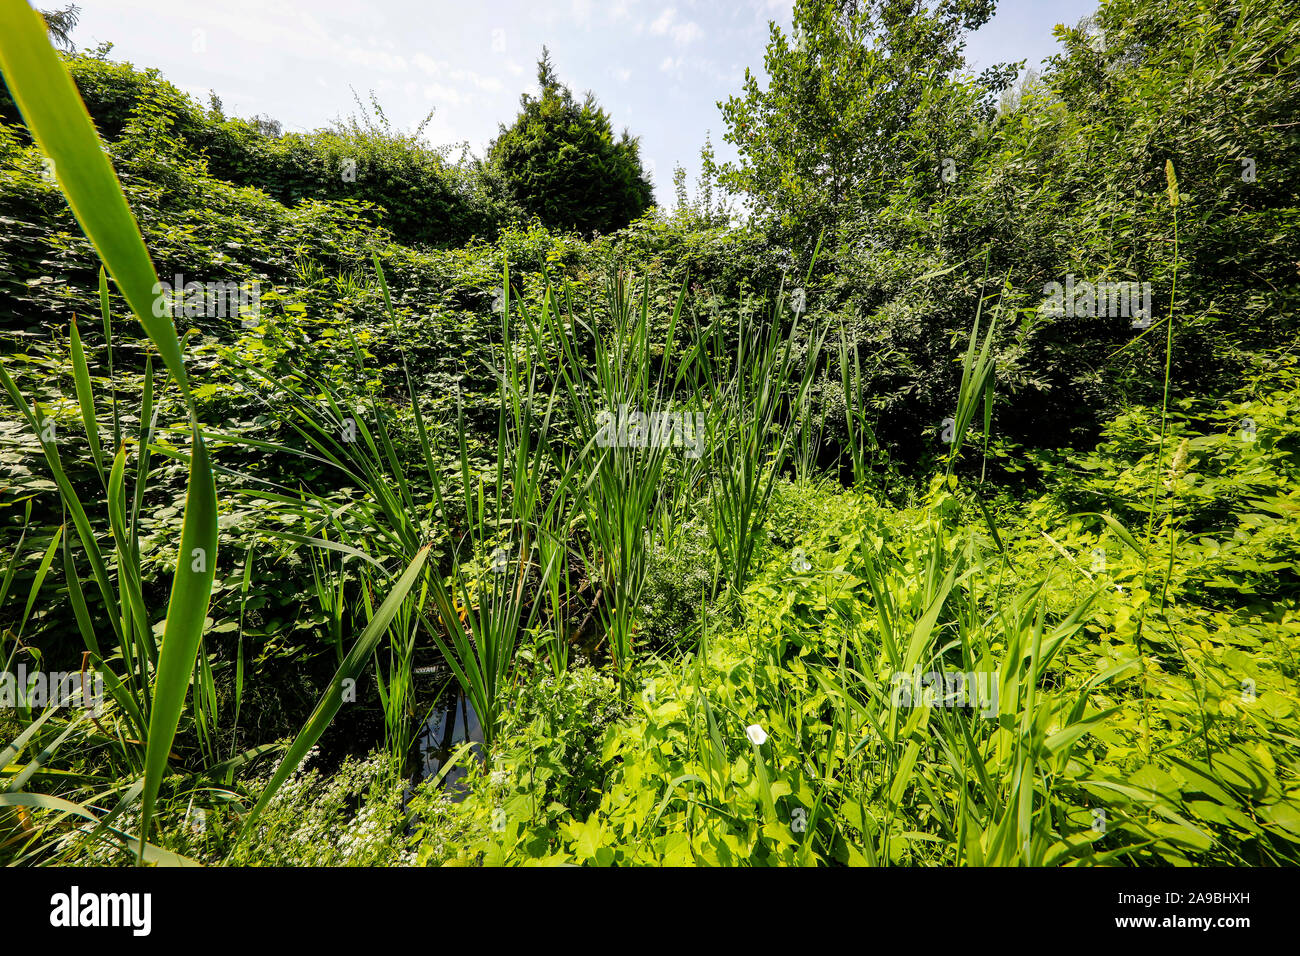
(756, 734)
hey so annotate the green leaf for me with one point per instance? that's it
(332, 699)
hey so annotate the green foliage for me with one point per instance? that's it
(1063, 178)
(352, 816)
(561, 163)
(681, 575)
(852, 779)
(428, 195)
(852, 98)
(60, 24)
(679, 649)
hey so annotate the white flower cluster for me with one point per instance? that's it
(310, 822)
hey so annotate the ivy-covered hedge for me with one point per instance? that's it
(427, 195)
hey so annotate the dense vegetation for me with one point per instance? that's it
(688, 507)
(560, 161)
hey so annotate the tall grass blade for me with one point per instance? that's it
(332, 699)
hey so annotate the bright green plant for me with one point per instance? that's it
(59, 123)
(560, 161)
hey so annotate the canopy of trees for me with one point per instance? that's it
(561, 162)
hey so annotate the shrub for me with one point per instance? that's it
(561, 163)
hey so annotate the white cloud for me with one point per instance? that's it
(427, 64)
(489, 83)
(663, 22)
(687, 32)
(443, 69)
(582, 13)
(444, 94)
(682, 33)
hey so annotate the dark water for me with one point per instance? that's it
(448, 728)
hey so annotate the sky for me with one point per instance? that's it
(659, 67)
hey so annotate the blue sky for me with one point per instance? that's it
(658, 66)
